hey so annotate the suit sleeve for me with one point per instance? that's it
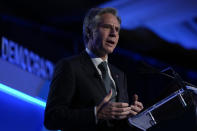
(59, 112)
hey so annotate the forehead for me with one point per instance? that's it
(109, 18)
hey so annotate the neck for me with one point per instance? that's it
(99, 54)
(104, 58)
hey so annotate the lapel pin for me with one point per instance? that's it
(117, 76)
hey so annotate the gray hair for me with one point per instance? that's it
(92, 19)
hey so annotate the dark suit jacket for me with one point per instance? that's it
(75, 90)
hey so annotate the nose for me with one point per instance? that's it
(113, 32)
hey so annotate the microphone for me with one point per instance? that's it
(176, 77)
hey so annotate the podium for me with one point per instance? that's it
(171, 106)
(164, 109)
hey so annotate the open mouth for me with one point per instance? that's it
(110, 42)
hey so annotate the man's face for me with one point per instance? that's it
(106, 35)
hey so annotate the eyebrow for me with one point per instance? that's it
(109, 25)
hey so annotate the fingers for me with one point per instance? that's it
(107, 116)
(113, 114)
(133, 113)
(139, 104)
(136, 102)
(119, 111)
(114, 110)
(119, 104)
(135, 108)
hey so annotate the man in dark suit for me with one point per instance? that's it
(86, 92)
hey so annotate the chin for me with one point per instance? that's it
(109, 51)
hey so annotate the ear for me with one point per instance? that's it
(89, 33)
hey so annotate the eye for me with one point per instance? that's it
(117, 29)
(106, 26)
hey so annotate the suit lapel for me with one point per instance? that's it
(115, 76)
(91, 70)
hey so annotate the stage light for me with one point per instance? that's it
(21, 95)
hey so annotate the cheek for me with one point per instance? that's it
(117, 38)
(98, 35)
(104, 34)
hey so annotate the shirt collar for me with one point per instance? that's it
(95, 59)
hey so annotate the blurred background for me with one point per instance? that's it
(35, 34)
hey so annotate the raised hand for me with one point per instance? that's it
(112, 110)
(137, 106)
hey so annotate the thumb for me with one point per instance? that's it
(105, 100)
(108, 96)
(135, 97)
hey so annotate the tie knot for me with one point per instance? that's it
(103, 66)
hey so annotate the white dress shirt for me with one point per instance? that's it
(96, 61)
